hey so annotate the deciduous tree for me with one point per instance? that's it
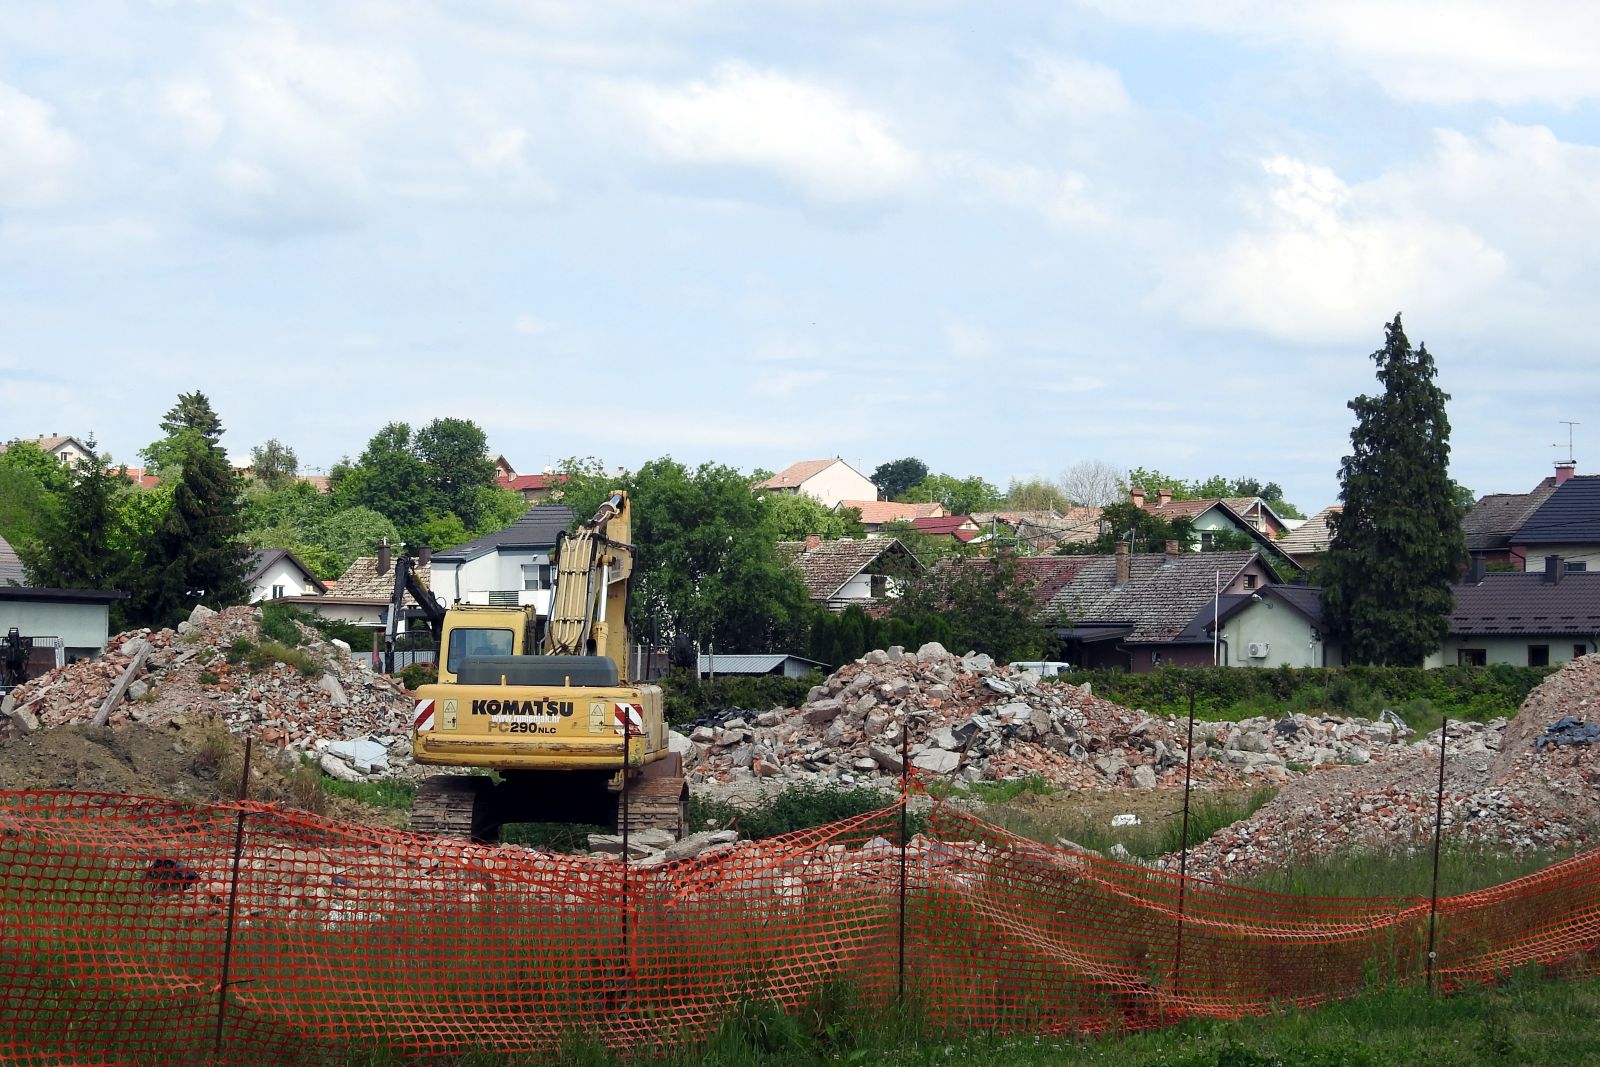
(1397, 545)
(898, 475)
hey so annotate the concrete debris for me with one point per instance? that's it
(967, 718)
(188, 674)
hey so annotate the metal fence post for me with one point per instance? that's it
(1183, 844)
(905, 833)
(233, 905)
(1438, 832)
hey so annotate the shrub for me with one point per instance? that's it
(278, 623)
(688, 696)
(796, 808)
(418, 675)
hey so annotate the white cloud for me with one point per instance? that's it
(1330, 261)
(1435, 51)
(1064, 86)
(811, 136)
(36, 155)
(1063, 198)
(530, 325)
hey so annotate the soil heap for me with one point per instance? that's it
(318, 698)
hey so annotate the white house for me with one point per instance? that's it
(276, 573)
(508, 568)
(69, 450)
(826, 480)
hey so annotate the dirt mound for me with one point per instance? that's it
(220, 665)
(1573, 691)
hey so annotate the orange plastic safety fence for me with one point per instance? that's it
(116, 944)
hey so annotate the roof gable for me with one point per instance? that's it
(266, 558)
(362, 580)
(1569, 515)
(539, 527)
(828, 566)
(1312, 536)
(797, 474)
(1161, 597)
(1489, 524)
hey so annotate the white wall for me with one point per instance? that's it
(472, 582)
(79, 625)
(1286, 632)
(281, 573)
(1509, 650)
(1588, 554)
(839, 482)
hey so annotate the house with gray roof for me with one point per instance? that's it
(840, 573)
(747, 664)
(1565, 524)
(276, 573)
(1274, 626)
(1531, 618)
(66, 624)
(509, 568)
(1490, 526)
(1137, 612)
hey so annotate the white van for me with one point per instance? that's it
(1044, 668)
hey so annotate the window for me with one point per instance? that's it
(1538, 655)
(1577, 566)
(1472, 657)
(536, 576)
(1249, 581)
(1208, 540)
(277, 592)
(1579, 650)
(476, 642)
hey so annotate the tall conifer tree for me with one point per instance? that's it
(196, 556)
(1397, 545)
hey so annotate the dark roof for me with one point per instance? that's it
(1488, 526)
(92, 596)
(827, 566)
(1162, 596)
(538, 528)
(1311, 537)
(11, 572)
(262, 560)
(1570, 515)
(1045, 575)
(1307, 600)
(1517, 603)
(754, 663)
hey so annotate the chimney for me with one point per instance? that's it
(1124, 567)
(1163, 497)
(383, 558)
(424, 556)
(1172, 551)
(1138, 497)
(1478, 569)
(1552, 570)
(812, 541)
(1564, 471)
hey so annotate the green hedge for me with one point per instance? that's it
(1232, 692)
(688, 697)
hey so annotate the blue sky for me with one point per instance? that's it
(1003, 238)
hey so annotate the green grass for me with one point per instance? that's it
(383, 793)
(795, 808)
(1462, 869)
(1527, 1020)
(1147, 840)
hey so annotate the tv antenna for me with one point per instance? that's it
(1569, 425)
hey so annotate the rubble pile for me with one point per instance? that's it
(357, 720)
(969, 720)
(1549, 747)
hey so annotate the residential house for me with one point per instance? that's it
(1524, 618)
(875, 514)
(1273, 626)
(1307, 543)
(961, 528)
(1138, 611)
(829, 481)
(71, 451)
(140, 476)
(363, 593)
(276, 573)
(1491, 524)
(1566, 524)
(1039, 531)
(1247, 515)
(778, 664)
(840, 573)
(534, 487)
(66, 624)
(510, 567)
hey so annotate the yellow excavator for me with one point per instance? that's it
(547, 703)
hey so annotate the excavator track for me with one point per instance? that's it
(451, 805)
